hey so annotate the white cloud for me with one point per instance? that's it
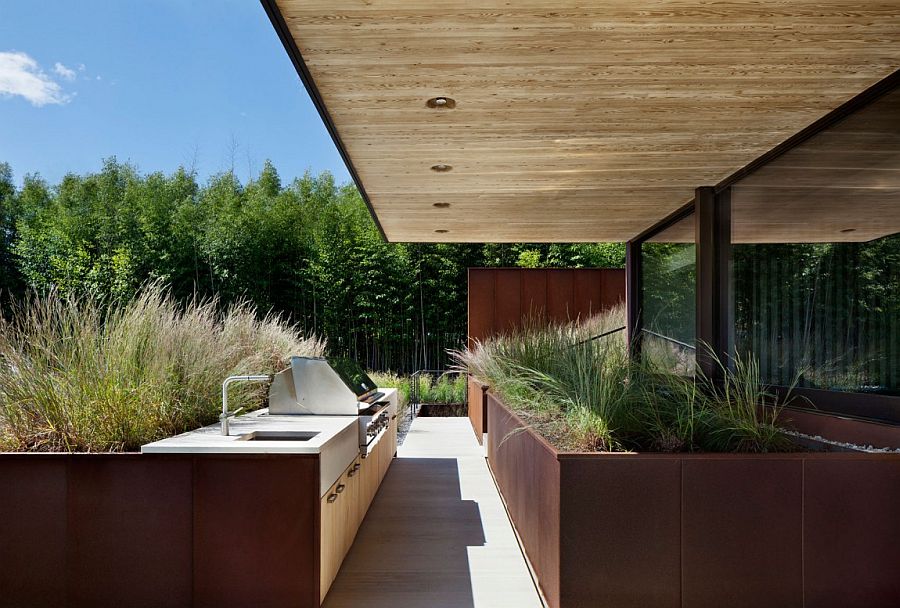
(21, 75)
(63, 71)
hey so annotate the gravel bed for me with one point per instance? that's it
(403, 427)
(853, 447)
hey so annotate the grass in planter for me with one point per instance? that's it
(447, 388)
(573, 389)
(589, 396)
(77, 374)
(738, 422)
(392, 380)
(669, 412)
(675, 413)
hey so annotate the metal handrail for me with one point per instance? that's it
(414, 401)
(598, 336)
(668, 339)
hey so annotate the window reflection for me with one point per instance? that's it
(816, 257)
(824, 314)
(669, 297)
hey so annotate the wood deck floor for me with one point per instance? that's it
(437, 534)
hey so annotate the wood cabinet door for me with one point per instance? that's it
(354, 497)
(386, 450)
(386, 454)
(340, 508)
(328, 551)
(343, 515)
(350, 508)
(369, 479)
(379, 461)
(395, 423)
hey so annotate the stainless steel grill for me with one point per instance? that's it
(331, 387)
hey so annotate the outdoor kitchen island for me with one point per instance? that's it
(283, 493)
(346, 483)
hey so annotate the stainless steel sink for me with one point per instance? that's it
(278, 436)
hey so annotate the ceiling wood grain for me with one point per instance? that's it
(575, 121)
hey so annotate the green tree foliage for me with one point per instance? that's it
(308, 249)
(10, 279)
(823, 313)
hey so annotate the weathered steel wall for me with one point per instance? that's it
(500, 298)
(527, 473)
(477, 404)
(157, 530)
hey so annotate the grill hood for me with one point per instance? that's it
(316, 385)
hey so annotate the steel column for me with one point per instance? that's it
(633, 289)
(714, 300)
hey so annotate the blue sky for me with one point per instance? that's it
(158, 83)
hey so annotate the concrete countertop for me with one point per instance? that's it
(336, 444)
(209, 439)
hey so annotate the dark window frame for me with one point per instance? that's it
(634, 286)
(711, 207)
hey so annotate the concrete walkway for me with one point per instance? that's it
(437, 534)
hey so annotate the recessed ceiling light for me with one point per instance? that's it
(441, 167)
(846, 230)
(444, 103)
(441, 205)
(441, 231)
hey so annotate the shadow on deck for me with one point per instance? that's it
(436, 535)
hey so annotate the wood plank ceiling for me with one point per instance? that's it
(574, 121)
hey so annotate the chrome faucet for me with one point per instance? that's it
(225, 415)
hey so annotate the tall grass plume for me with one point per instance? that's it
(81, 374)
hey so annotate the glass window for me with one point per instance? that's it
(816, 257)
(824, 314)
(668, 298)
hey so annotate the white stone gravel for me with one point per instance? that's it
(849, 446)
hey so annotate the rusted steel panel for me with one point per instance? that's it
(620, 532)
(255, 531)
(129, 535)
(742, 532)
(158, 530)
(852, 531)
(481, 304)
(527, 474)
(613, 291)
(588, 293)
(561, 296)
(507, 300)
(534, 294)
(500, 298)
(33, 530)
(838, 428)
(696, 530)
(477, 405)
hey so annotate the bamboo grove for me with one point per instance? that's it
(307, 249)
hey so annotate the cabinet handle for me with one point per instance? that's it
(351, 472)
(340, 488)
(331, 498)
(356, 466)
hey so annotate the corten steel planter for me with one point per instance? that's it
(477, 403)
(158, 530)
(701, 530)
